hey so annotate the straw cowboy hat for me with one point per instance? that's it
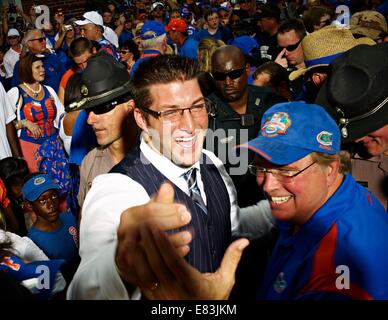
(368, 23)
(323, 46)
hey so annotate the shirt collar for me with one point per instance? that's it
(163, 164)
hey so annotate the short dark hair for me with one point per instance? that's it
(313, 15)
(13, 169)
(132, 47)
(293, 24)
(25, 67)
(209, 13)
(276, 72)
(80, 46)
(73, 89)
(161, 69)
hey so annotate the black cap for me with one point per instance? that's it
(104, 79)
(269, 10)
(356, 92)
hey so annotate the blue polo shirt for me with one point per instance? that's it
(345, 238)
(54, 71)
(189, 49)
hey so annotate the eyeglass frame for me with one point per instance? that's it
(278, 173)
(159, 114)
(41, 39)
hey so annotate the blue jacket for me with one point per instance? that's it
(343, 242)
(54, 71)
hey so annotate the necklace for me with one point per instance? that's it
(35, 92)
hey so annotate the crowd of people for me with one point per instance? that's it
(195, 150)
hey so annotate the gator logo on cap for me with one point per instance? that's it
(38, 181)
(325, 139)
(277, 123)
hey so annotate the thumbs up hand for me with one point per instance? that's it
(160, 211)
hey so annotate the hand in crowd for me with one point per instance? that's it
(131, 258)
(176, 279)
(33, 128)
(280, 59)
(121, 20)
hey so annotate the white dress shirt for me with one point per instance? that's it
(110, 195)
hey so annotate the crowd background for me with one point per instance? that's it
(286, 45)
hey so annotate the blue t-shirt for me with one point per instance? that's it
(60, 244)
(222, 33)
(189, 49)
(54, 72)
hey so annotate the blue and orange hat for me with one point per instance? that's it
(290, 131)
(36, 185)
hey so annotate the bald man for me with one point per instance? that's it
(239, 111)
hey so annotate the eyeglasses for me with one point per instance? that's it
(324, 22)
(39, 39)
(281, 175)
(105, 108)
(13, 37)
(174, 115)
(223, 16)
(234, 74)
(292, 47)
(123, 51)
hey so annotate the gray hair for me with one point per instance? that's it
(29, 35)
(156, 42)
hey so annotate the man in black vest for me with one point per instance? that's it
(197, 205)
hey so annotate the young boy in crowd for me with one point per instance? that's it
(55, 233)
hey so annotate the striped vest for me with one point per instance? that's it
(211, 231)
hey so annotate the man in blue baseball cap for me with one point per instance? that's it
(323, 215)
(332, 231)
(153, 41)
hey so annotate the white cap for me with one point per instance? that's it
(91, 17)
(155, 4)
(13, 32)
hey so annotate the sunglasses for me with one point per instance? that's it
(12, 37)
(105, 108)
(124, 51)
(39, 39)
(220, 76)
(292, 47)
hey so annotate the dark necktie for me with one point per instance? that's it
(194, 192)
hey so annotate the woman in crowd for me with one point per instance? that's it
(37, 107)
(129, 53)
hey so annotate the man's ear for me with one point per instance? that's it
(332, 171)
(28, 206)
(140, 119)
(130, 105)
(248, 68)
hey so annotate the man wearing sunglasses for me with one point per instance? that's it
(122, 205)
(239, 110)
(108, 104)
(35, 42)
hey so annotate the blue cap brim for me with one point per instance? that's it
(37, 191)
(276, 153)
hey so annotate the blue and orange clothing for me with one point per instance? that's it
(338, 254)
(108, 48)
(42, 113)
(147, 54)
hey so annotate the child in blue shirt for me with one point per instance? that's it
(55, 233)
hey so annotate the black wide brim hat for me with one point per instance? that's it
(356, 92)
(104, 79)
